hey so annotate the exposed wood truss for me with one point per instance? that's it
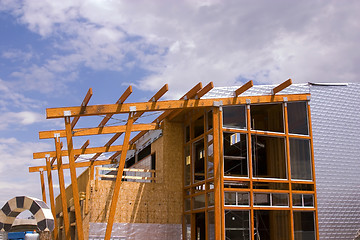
(168, 110)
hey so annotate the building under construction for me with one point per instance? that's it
(251, 162)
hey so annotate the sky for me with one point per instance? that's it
(52, 52)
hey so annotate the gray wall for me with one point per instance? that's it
(336, 132)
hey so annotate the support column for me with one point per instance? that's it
(62, 189)
(51, 194)
(42, 182)
(119, 177)
(219, 213)
(74, 184)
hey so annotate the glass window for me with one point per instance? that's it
(210, 157)
(230, 198)
(268, 157)
(200, 225)
(187, 204)
(209, 120)
(297, 200)
(211, 199)
(234, 117)
(301, 165)
(267, 117)
(303, 200)
(262, 199)
(271, 185)
(235, 155)
(199, 126)
(211, 225)
(187, 227)
(237, 225)
(187, 169)
(280, 199)
(199, 161)
(308, 200)
(272, 224)
(297, 118)
(236, 198)
(304, 225)
(199, 201)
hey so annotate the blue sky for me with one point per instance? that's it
(52, 52)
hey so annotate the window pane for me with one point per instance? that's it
(199, 161)
(210, 120)
(301, 165)
(243, 199)
(211, 199)
(187, 204)
(237, 225)
(210, 158)
(199, 201)
(280, 199)
(187, 169)
(297, 200)
(304, 226)
(187, 227)
(230, 198)
(234, 117)
(262, 199)
(200, 225)
(308, 200)
(297, 118)
(211, 225)
(268, 157)
(267, 117)
(199, 126)
(272, 225)
(235, 155)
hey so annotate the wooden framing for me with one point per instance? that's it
(71, 156)
(42, 183)
(171, 108)
(62, 189)
(280, 87)
(51, 195)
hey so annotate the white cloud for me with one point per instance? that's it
(15, 158)
(185, 42)
(17, 119)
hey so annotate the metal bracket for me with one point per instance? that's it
(47, 155)
(67, 113)
(132, 108)
(41, 169)
(56, 135)
(248, 101)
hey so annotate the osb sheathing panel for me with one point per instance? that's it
(159, 202)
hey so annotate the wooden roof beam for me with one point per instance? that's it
(190, 94)
(83, 104)
(280, 87)
(155, 98)
(96, 131)
(54, 158)
(77, 165)
(198, 95)
(83, 147)
(121, 100)
(243, 88)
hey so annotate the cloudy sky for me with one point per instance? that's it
(52, 52)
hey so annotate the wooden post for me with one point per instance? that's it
(119, 177)
(74, 184)
(51, 194)
(42, 182)
(217, 175)
(62, 188)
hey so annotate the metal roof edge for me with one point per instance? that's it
(328, 84)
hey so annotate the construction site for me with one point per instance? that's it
(239, 162)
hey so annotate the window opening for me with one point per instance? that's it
(199, 161)
(272, 224)
(298, 118)
(199, 126)
(267, 117)
(234, 117)
(304, 225)
(301, 165)
(237, 225)
(235, 155)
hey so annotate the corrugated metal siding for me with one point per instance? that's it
(336, 131)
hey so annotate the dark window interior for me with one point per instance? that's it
(130, 162)
(235, 154)
(199, 126)
(144, 153)
(297, 118)
(267, 117)
(237, 226)
(272, 225)
(268, 155)
(234, 117)
(301, 166)
(200, 226)
(199, 168)
(304, 225)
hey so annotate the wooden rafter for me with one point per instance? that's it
(42, 182)
(83, 104)
(83, 148)
(115, 148)
(96, 131)
(54, 158)
(165, 105)
(77, 165)
(281, 86)
(154, 98)
(243, 88)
